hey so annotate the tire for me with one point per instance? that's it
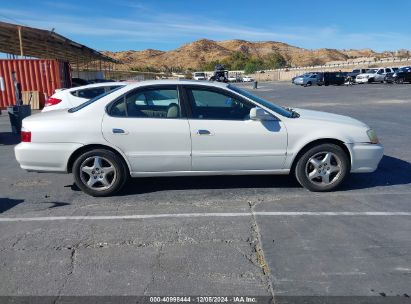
(90, 167)
(371, 80)
(314, 160)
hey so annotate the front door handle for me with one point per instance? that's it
(118, 131)
(203, 132)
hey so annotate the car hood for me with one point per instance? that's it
(366, 74)
(328, 117)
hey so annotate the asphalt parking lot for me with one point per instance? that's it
(241, 235)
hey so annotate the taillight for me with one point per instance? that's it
(52, 101)
(25, 136)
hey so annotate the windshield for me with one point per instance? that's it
(89, 102)
(261, 101)
(372, 71)
(405, 69)
(199, 74)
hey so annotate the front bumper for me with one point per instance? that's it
(361, 80)
(365, 157)
(44, 157)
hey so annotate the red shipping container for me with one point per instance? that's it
(39, 75)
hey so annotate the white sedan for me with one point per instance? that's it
(248, 79)
(176, 128)
(68, 98)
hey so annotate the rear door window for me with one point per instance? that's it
(149, 103)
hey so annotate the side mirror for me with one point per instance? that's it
(258, 113)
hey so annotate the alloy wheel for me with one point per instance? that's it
(97, 173)
(323, 168)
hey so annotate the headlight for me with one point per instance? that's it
(372, 136)
(394, 75)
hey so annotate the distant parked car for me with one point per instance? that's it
(77, 82)
(199, 76)
(233, 79)
(248, 79)
(374, 75)
(68, 98)
(100, 80)
(308, 79)
(303, 75)
(331, 78)
(356, 72)
(402, 75)
(389, 78)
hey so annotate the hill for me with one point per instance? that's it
(195, 54)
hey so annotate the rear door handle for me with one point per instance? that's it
(118, 131)
(203, 132)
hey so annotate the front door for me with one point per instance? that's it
(148, 125)
(380, 75)
(225, 139)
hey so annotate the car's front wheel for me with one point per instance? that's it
(322, 168)
(99, 172)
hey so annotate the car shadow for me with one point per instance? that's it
(8, 203)
(391, 171)
(9, 138)
(56, 204)
(156, 184)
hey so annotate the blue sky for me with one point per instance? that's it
(135, 25)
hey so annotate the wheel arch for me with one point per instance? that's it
(317, 142)
(90, 147)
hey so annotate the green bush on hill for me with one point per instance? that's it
(241, 61)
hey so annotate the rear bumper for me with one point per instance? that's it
(44, 157)
(365, 157)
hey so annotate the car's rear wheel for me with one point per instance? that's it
(322, 168)
(99, 172)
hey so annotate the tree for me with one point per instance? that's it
(253, 65)
(238, 60)
(275, 61)
(209, 66)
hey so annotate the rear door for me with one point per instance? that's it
(225, 139)
(150, 126)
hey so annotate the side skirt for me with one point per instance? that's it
(204, 173)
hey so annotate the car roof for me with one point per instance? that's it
(177, 82)
(97, 85)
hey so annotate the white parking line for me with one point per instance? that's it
(193, 215)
